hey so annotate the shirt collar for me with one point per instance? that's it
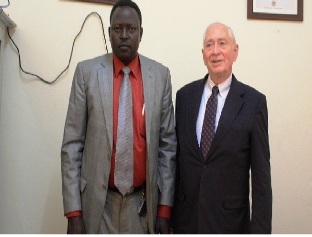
(224, 87)
(134, 66)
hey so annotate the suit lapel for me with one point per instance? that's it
(105, 79)
(194, 104)
(149, 90)
(232, 106)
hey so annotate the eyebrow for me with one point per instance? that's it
(219, 39)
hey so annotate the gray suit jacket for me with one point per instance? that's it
(88, 139)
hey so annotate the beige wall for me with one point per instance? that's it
(274, 57)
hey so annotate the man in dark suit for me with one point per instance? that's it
(94, 201)
(213, 173)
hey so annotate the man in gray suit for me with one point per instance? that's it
(92, 201)
(213, 172)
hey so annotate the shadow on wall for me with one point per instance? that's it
(54, 206)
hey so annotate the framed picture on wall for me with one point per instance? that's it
(109, 2)
(286, 10)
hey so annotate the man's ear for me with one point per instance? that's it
(236, 48)
(141, 33)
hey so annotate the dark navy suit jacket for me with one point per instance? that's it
(212, 193)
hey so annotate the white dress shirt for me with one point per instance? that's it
(224, 88)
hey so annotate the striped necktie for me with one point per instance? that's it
(124, 145)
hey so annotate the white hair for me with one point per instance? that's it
(230, 31)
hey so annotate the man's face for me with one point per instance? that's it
(125, 33)
(219, 52)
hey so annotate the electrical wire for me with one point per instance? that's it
(71, 53)
(5, 5)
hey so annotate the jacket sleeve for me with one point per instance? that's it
(261, 218)
(167, 147)
(73, 143)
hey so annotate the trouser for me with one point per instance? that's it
(121, 214)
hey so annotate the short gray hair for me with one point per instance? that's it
(230, 31)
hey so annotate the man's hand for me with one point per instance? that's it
(75, 225)
(162, 226)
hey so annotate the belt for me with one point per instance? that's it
(133, 190)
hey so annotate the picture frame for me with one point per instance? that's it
(108, 2)
(285, 10)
